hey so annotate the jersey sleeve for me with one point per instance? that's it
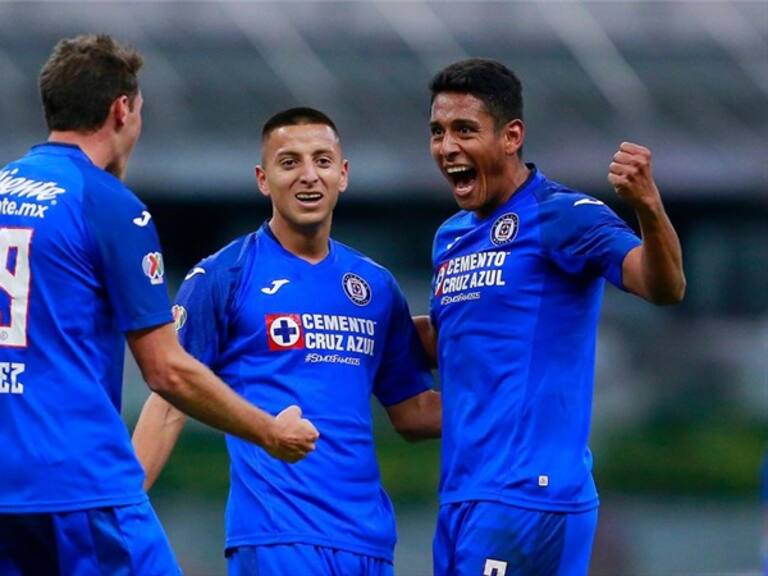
(584, 236)
(129, 258)
(403, 371)
(201, 311)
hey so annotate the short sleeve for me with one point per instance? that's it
(201, 312)
(584, 236)
(403, 372)
(129, 258)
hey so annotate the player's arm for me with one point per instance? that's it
(428, 337)
(419, 417)
(192, 388)
(155, 436)
(653, 270)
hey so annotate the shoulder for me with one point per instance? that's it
(98, 183)
(218, 271)
(446, 233)
(460, 219)
(564, 209)
(554, 197)
(357, 262)
(106, 195)
(229, 258)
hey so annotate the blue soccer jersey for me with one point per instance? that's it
(327, 336)
(80, 264)
(516, 298)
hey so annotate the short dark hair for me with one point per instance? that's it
(83, 77)
(296, 117)
(488, 80)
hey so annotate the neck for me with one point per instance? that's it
(309, 243)
(515, 175)
(96, 145)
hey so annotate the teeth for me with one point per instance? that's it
(309, 196)
(457, 169)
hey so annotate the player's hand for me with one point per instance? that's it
(293, 436)
(631, 176)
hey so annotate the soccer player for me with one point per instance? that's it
(80, 265)
(288, 315)
(518, 280)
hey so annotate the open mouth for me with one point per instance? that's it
(463, 178)
(309, 197)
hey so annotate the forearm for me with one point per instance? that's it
(155, 436)
(195, 390)
(662, 260)
(653, 271)
(419, 417)
(428, 338)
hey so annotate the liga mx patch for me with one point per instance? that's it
(356, 289)
(284, 332)
(504, 230)
(153, 267)
(179, 316)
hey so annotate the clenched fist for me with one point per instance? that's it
(293, 437)
(631, 176)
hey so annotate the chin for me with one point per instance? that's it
(469, 204)
(310, 221)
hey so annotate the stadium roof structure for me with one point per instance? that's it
(688, 79)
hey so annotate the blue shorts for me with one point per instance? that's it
(118, 541)
(494, 539)
(303, 559)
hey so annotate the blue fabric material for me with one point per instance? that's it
(501, 540)
(76, 271)
(516, 300)
(327, 337)
(121, 541)
(303, 559)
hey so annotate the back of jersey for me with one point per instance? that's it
(80, 265)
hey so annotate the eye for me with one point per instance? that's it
(435, 131)
(287, 163)
(324, 162)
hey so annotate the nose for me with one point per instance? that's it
(448, 146)
(309, 173)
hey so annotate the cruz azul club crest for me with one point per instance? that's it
(356, 289)
(505, 228)
(284, 331)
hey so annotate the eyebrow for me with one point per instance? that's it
(291, 152)
(456, 123)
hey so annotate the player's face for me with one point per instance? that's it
(470, 152)
(303, 173)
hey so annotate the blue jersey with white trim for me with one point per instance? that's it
(327, 336)
(516, 299)
(80, 264)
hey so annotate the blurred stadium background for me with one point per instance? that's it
(681, 409)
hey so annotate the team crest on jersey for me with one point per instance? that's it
(284, 331)
(153, 267)
(179, 316)
(356, 289)
(505, 228)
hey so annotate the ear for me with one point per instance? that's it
(120, 109)
(514, 135)
(261, 180)
(344, 180)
